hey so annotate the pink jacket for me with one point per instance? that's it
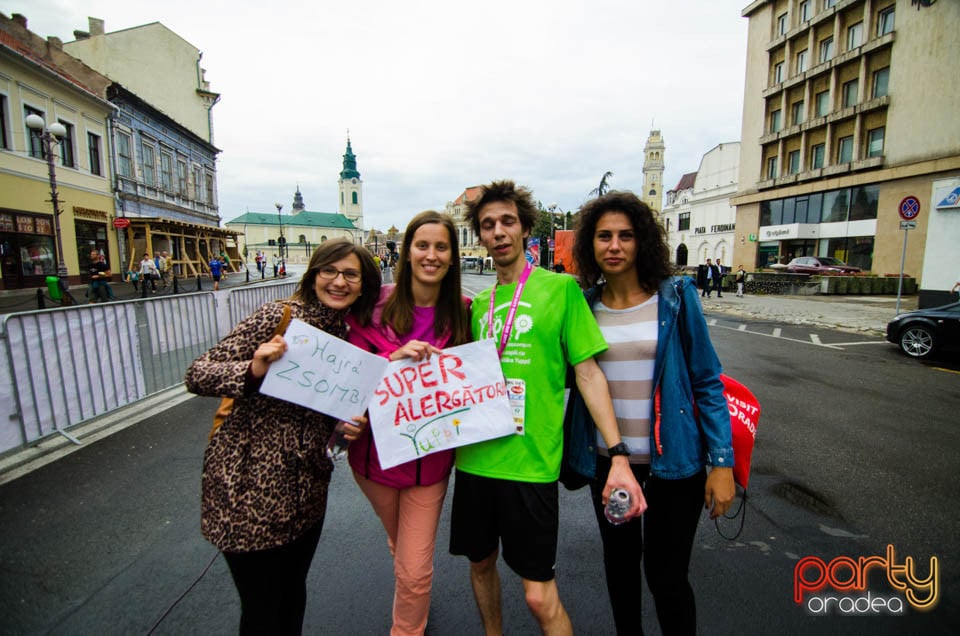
(380, 339)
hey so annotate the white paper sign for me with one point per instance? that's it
(457, 397)
(324, 373)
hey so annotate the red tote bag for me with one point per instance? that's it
(744, 417)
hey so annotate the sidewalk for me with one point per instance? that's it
(858, 314)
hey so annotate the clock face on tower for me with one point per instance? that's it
(354, 181)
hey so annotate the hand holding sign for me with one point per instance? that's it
(455, 397)
(324, 373)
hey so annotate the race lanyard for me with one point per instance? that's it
(508, 325)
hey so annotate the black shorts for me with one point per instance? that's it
(523, 516)
(216, 277)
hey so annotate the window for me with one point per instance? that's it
(66, 145)
(855, 36)
(797, 112)
(823, 103)
(34, 137)
(353, 197)
(863, 202)
(182, 177)
(781, 24)
(850, 90)
(828, 4)
(875, 142)
(197, 184)
(166, 170)
(845, 149)
(4, 141)
(208, 182)
(93, 149)
(683, 222)
(836, 203)
(778, 72)
(880, 79)
(772, 168)
(149, 163)
(826, 50)
(885, 21)
(805, 10)
(775, 121)
(802, 61)
(124, 163)
(794, 160)
(816, 156)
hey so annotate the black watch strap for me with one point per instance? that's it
(618, 449)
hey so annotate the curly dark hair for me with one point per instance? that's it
(504, 190)
(330, 252)
(653, 253)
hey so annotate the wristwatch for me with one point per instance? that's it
(618, 449)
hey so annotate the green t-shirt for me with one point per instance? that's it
(553, 326)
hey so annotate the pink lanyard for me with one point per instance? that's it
(508, 325)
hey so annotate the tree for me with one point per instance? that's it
(604, 186)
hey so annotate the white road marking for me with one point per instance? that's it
(777, 331)
(815, 339)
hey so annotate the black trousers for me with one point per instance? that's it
(669, 527)
(273, 585)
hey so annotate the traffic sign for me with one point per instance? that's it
(121, 222)
(909, 208)
(908, 225)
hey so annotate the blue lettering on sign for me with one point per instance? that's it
(952, 200)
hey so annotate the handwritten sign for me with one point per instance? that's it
(324, 373)
(457, 397)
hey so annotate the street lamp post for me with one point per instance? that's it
(282, 241)
(51, 135)
(553, 207)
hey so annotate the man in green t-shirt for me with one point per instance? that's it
(505, 491)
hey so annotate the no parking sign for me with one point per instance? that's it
(909, 208)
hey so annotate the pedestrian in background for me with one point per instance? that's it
(662, 344)
(148, 272)
(133, 275)
(99, 273)
(266, 470)
(216, 271)
(719, 273)
(741, 278)
(423, 313)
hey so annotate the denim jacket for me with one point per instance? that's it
(685, 437)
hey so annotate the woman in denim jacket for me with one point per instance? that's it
(664, 377)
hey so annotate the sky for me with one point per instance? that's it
(440, 95)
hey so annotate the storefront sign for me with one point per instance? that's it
(89, 213)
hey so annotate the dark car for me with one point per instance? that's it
(926, 332)
(820, 265)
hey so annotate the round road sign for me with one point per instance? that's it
(121, 222)
(909, 208)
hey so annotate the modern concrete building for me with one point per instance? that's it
(698, 217)
(850, 108)
(38, 78)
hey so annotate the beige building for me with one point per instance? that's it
(850, 107)
(653, 152)
(457, 209)
(37, 78)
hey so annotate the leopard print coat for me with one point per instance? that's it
(265, 471)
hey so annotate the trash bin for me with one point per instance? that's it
(53, 286)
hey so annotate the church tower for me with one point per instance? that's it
(653, 172)
(298, 206)
(351, 188)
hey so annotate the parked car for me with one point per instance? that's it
(820, 265)
(470, 262)
(925, 332)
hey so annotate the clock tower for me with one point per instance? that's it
(653, 172)
(351, 188)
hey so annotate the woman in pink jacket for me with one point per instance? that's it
(423, 313)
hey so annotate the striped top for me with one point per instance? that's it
(628, 366)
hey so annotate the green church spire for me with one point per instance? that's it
(349, 164)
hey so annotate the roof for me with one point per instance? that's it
(686, 182)
(302, 219)
(15, 45)
(469, 194)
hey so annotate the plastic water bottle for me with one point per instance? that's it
(338, 444)
(617, 506)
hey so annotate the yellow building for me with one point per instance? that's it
(850, 107)
(36, 77)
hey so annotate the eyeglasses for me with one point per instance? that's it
(331, 273)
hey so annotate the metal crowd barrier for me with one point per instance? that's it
(65, 366)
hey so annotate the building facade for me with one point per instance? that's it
(457, 209)
(350, 187)
(38, 78)
(699, 220)
(849, 109)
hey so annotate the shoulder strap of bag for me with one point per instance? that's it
(226, 403)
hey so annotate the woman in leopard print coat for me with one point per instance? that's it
(265, 470)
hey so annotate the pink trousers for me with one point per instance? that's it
(410, 517)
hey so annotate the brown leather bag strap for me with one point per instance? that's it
(284, 321)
